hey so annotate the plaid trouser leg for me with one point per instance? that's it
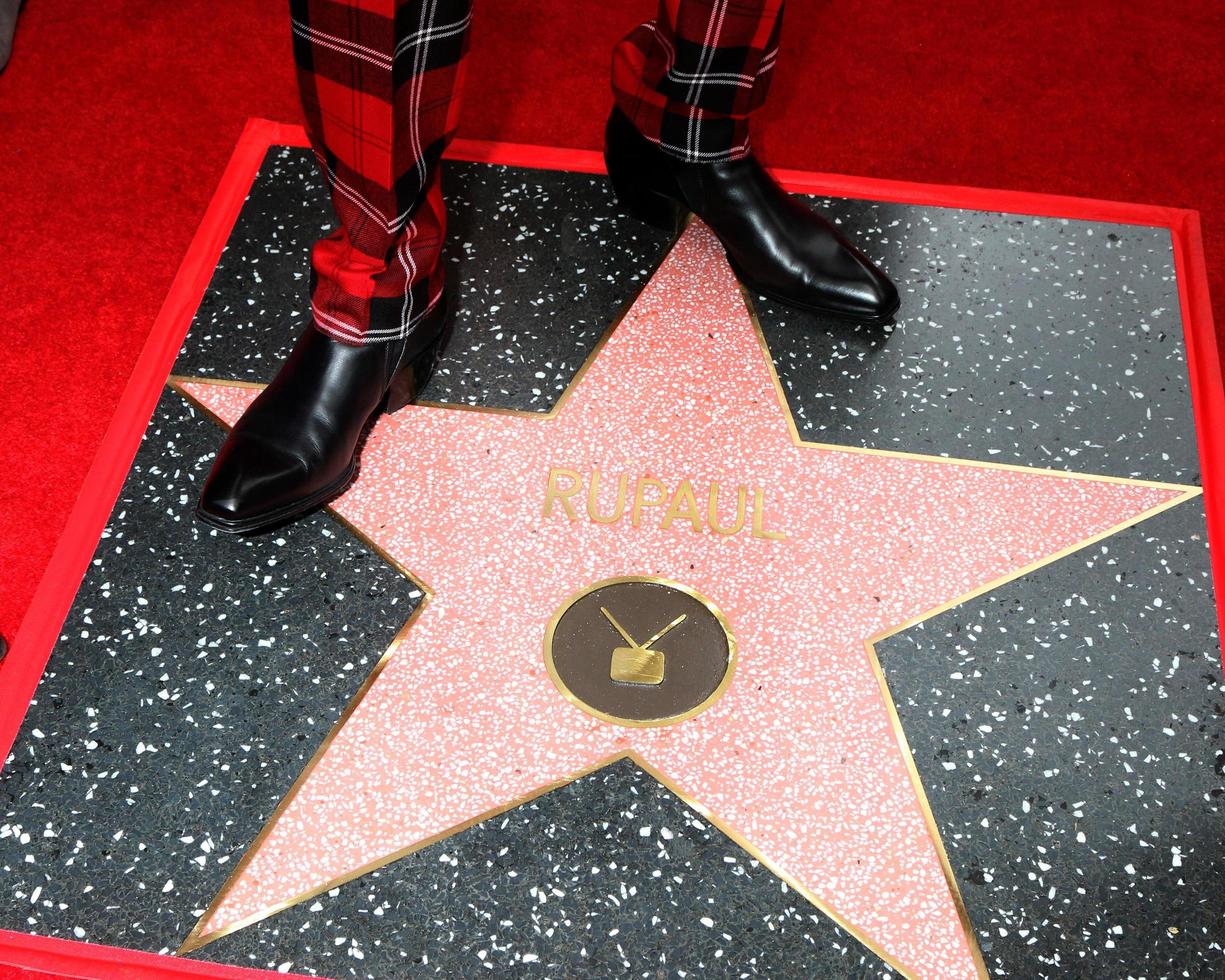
(690, 79)
(379, 80)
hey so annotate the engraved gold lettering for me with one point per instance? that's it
(640, 500)
(675, 505)
(593, 494)
(712, 510)
(758, 517)
(683, 504)
(563, 494)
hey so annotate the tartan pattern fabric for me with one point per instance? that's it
(380, 82)
(691, 78)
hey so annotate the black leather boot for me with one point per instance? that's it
(775, 245)
(296, 446)
(9, 9)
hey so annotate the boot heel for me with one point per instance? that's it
(633, 165)
(646, 205)
(411, 378)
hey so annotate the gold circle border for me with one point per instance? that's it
(583, 706)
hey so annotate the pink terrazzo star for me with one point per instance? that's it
(799, 759)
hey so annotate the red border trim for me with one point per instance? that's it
(22, 669)
(24, 957)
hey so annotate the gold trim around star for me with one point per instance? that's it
(564, 689)
(191, 943)
(799, 440)
(899, 731)
(195, 940)
(1186, 492)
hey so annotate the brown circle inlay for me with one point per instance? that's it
(640, 651)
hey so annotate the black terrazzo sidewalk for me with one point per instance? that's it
(1068, 727)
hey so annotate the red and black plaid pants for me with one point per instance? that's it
(380, 81)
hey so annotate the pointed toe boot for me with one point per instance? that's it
(775, 245)
(296, 447)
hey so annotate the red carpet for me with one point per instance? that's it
(116, 120)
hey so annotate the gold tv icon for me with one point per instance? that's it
(637, 663)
